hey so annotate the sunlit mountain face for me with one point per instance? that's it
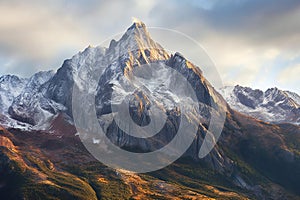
(42, 156)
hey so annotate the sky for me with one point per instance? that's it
(253, 43)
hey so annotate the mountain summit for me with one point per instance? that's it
(137, 40)
(135, 48)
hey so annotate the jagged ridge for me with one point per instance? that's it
(273, 105)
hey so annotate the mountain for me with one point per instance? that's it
(273, 105)
(42, 157)
(30, 106)
(23, 102)
(10, 87)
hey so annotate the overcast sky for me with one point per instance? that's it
(253, 43)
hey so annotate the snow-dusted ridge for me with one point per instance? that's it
(34, 101)
(10, 87)
(23, 104)
(273, 105)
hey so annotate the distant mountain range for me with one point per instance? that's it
(41, 156)
(273, 105)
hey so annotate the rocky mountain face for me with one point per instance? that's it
(272, 105)
(10, 87)
(47, 94)
(31, 106)
(252, 159)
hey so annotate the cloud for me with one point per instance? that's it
(244, 37)
(253, 21)
(34, 36)
(40, 35)
(290, 75)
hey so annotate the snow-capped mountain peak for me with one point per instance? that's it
(273, 105)
(30, 105)
(293, 96)
(137, 24)
(47, 93)
(39, 79)
(10, 87)
(12, 83)
(136, 41)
